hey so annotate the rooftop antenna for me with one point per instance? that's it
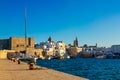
(25, 31)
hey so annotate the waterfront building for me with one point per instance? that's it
(115, 48)
(52, 49)
(48, 47)
(89, 49)
(38, 53)
(18, 44)
(60, 49)
(74, 50)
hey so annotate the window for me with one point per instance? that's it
(17, 45)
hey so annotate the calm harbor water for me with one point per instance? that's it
(91, 68)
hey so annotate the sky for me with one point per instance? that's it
(91, 21)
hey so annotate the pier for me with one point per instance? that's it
(10, 70)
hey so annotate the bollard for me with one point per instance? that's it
(18, 61)
(13, 59)
(31, 66)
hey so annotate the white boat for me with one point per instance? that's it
(101, 56)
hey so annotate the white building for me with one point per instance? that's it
(115, 48)
(45, 45)
(104, 50)
(60, 49)
(52, 49)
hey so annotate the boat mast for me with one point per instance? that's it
(25, 32)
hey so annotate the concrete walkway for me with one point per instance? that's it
(12, 71)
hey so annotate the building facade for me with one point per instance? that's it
(17, 44)
(4, 44)
(115, 48)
